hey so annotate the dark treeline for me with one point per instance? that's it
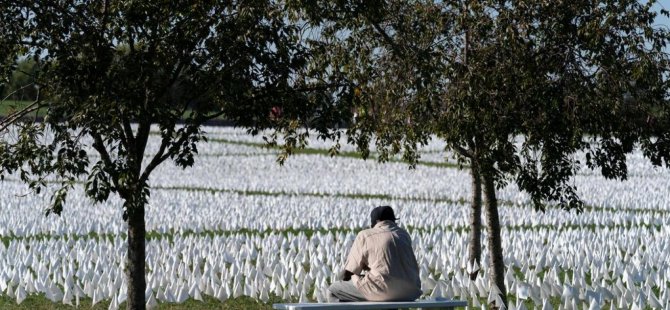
(21, 86)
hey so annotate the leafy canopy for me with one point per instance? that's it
(519, 88)
(109, 70)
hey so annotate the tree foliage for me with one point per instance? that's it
(21, 84)
(110, 70)
(517, 89)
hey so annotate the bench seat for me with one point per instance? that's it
(423, 304)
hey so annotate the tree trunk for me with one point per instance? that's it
(136, 259)
(475, 242)
(497, 267)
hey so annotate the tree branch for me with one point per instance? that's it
(211, 117)
(18, 90)
(130, 138)
(463, 152)
(12, 118)
(386, 37)
(161, 156)
(141, 141)
(325, 86)
(118, 127)
(105, 6)
(99, 146)
(158, 158)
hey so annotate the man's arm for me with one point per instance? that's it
(357, 259)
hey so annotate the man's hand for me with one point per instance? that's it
(345, 275)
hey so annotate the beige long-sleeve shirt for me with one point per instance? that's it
(385, 252)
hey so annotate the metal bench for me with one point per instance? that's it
(421, 304)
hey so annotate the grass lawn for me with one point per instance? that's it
(41, 302)
(10, 106)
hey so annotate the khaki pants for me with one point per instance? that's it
(346, 291)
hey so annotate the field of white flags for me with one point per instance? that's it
(238, 224)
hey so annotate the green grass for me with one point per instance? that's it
(9, 106)
(41, 302)
(153, 235)
(587, 208)
(40, 237)
(285, 193)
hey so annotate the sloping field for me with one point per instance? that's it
(238, 224)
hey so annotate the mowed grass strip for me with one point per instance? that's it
(364, 196)
(309, 232)
(460, 201)
(212, 190)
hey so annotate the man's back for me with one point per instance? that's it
(385, 252)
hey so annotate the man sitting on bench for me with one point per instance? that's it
(381, 265)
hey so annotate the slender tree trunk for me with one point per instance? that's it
(497, 267)
(136, 259)
(475, 243)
